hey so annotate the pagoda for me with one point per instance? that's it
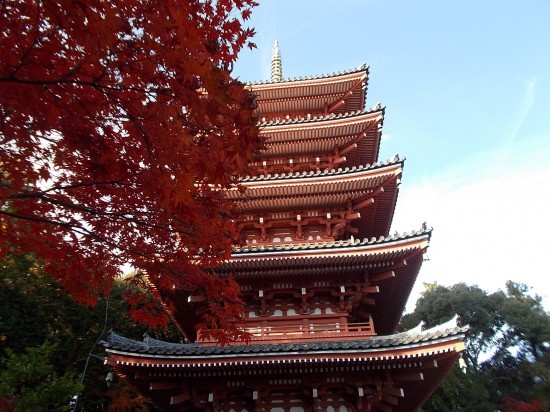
(323, 281)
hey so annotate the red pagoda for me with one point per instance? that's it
(324, 283)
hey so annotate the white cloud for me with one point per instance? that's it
(386, 137)
(491, 223)
(525, 108)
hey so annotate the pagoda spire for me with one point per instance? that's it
(276, 66)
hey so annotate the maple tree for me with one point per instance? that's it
(120, 126)
(513, 405)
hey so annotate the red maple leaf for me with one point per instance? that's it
(120, 125)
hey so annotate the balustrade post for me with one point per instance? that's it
(344, 324)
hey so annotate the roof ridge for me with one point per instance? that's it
(323, 117)
(352, 242)
(396, 159)
(362, 67)
(119, 343)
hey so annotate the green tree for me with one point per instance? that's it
(458, 393)
(34, 311)
(476, 308)
(507, 347)
(31, 380)
(519, 367)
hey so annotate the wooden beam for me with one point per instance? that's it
(392, 390)
(364, 200)
(368, 301)
(141, 375)
(378, 191)
(429, 364)
(408, 377)
(182, 397)
(337, 104)
(363, 203)
(392, 400)
(383, 407)
(196, 298)
(352, 215)
(370, 289)
(160, 386)
(348, 148)
(341, 100)
(339, 159)
(382, 276)
(399, 264)
(352, 230)
(358, 137)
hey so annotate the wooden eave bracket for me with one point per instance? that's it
(141, 375)
(392, 390)
(368, 199)
(370, 289)
(383, 407)
(429, 364)
(160, 386)
(174, 400)
(346, 148)
(388, 274)
(390, 399)
(341, 100)
(408, 376)
(382, 276)
(290, 165)
(196, 298)
(337, 157)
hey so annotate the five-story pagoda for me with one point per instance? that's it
(324, 283)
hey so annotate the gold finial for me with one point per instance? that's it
(276, 66)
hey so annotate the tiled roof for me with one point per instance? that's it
(318, 120)
(322, 173)
(311, 94)
(154, 347)
(318, 136)
(334, 245)
(361, 68)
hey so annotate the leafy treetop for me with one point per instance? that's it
(120, 124)
(507, 347)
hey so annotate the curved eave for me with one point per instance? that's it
(376, 219)
(337, 255)
(417, 374)
(324, 120)
(404, 345)
(291, 81)
(321, 260)
(428, 360)
(417, 362)
(184, 314)
(400, 255)
(320, 136)
(394, 293)
(328, 190)
(265, 189)
(311, 94)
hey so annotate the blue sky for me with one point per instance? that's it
(466, 87)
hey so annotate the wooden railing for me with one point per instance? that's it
(307, 331)
(313, 332)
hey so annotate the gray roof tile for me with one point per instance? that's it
(155, 347)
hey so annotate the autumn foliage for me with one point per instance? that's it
(120, 124)
(513, 405)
